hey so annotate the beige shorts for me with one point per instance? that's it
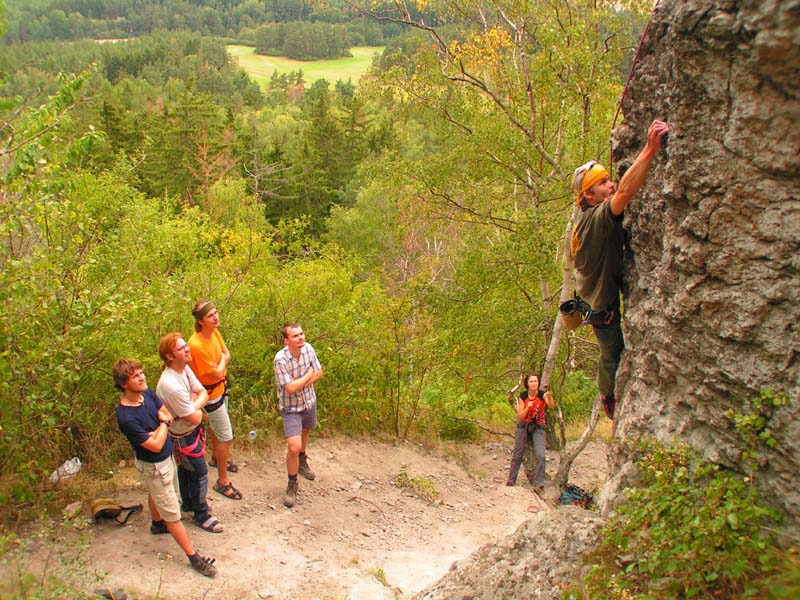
(161, 483)
(220, 421)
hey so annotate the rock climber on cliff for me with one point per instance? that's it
(597, 251)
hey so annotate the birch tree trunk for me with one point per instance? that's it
(568, 453)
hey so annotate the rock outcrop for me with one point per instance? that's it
(712, 309)
(536, 561)
(713, 306)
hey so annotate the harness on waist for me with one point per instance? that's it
(195, 449)
(216, 405)
(578, 312)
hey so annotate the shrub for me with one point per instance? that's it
(694, 530)
(577, 397)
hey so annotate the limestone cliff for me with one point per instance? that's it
(712, 305)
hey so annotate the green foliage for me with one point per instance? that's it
(577, 397)
(32, 20)
(755, 428)
(423, 487)
(406, 222)
(303, 41)
(692, 530)
(452, 415)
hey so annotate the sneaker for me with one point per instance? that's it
(305, 470)
(203, 565)
(609, 403)
(158, 527)
(291, 494)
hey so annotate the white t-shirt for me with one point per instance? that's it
(175, 391)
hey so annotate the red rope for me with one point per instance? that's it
(627, 83)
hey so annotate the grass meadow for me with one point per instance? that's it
(260, 68)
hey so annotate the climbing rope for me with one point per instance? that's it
(627, 83)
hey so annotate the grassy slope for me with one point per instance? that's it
(260, 68)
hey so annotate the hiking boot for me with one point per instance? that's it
(291, 494)
(511, 483)
(203, 565)
(158, 527)
(609, 403)
(305, 470)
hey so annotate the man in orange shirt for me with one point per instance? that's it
(210, 358)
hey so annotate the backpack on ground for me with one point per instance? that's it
(572, 494)
(108, 508)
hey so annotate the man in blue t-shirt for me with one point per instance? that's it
(145, 422)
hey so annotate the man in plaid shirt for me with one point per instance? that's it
(296, 369)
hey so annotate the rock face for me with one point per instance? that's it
(712, 307)
(535, 562)
(712, 311)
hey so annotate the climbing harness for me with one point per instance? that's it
(191, 450)
(577, 312)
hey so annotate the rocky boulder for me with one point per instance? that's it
(712, 307)
(542, 556)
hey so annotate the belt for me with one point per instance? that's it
(185, 438)
(210, 408)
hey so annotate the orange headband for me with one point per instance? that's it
(592, 176)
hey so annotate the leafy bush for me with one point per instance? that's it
(693, 530)
(577, 397)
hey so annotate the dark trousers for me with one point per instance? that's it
(609, 338)
(523, 432)
(193, 479)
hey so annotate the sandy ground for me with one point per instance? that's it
(355, 533)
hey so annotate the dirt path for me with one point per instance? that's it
(353, 534)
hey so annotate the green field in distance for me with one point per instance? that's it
(260, 68)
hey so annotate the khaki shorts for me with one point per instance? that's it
(220, 422)
(161, 483)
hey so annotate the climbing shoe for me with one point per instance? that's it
(203, 565)
(291, 494)
(305, 470)
(609, 403)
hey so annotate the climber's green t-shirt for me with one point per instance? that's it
(597, 249)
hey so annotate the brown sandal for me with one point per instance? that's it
(228, 491)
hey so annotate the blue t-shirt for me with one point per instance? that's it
(136, 422)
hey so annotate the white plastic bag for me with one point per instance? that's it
(67, 470)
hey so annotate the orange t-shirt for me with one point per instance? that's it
(206, 354)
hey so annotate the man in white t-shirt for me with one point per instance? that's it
(184, 396)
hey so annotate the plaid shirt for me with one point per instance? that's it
(288, 369)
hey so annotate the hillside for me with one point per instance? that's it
(355, 533)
